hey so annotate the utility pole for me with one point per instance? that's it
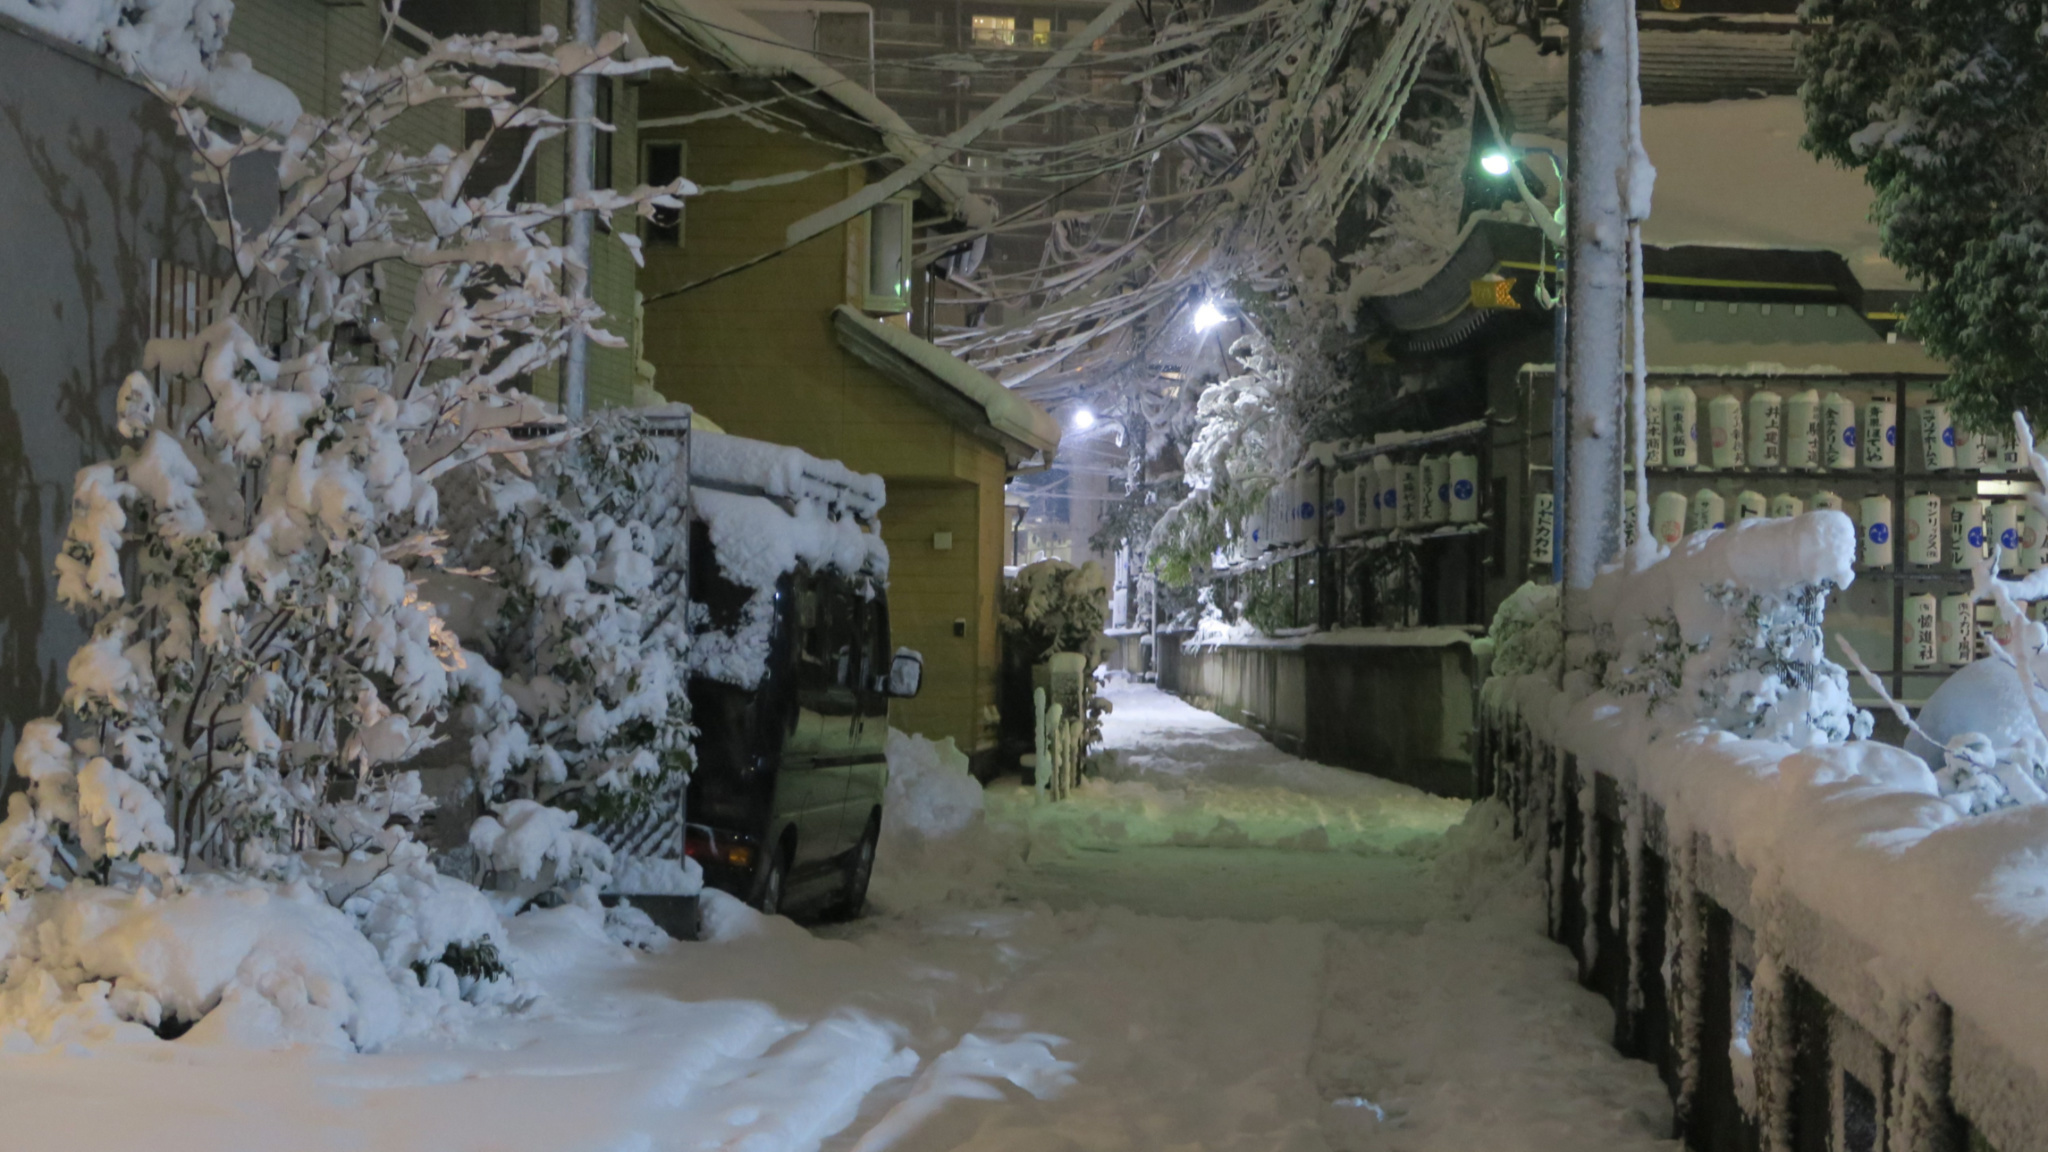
(1596, 294)
(582, 146)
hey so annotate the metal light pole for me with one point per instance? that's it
(1596, 292)
(582, 146)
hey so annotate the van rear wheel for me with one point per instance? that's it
(853, 900)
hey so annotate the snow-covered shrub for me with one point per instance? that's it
(1053, 606)
(1528, 632)
(1723, 630)
(231, 961)
(587, 710)
(262, 662)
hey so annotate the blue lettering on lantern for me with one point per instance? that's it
(1891, 433)
(1977, 537)
(1879, 533)
(1849, 435)
(2010, 538)
(1308, 510)
(1464, 489)
(1948, 437)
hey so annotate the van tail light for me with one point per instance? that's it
(710, 846)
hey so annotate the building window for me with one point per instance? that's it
(889, 257)
(995, 29)
(664, 162)
(1041, 33)
(601, 159)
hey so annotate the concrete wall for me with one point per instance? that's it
(1404, 713)
(1846, 1028)
(91, 190)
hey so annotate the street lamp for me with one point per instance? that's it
(1208, 316)
(1497, 163)
(1084, 419)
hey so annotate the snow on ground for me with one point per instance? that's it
(1081, 977)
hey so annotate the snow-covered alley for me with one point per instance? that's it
(1214, 946)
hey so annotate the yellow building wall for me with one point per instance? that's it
(756, 352)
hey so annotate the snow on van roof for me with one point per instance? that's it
(784, 473)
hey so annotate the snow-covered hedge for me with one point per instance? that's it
(263, 662)
(582, 704)
(1723, 629)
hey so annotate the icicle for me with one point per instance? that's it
(1589, 868)
(1920, 1078)
(1684, 967)
(1637, 819)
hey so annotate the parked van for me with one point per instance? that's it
(785, 803)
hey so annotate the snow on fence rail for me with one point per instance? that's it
(1814, 940)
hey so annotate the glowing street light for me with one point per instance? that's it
(1083, 419)
(1208, 316)
(1496, 163)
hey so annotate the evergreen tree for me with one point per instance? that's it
(1944, 105)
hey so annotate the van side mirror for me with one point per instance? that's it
(906, 673)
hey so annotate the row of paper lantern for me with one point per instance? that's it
(1806, 431)
(1957, 531)
(1376, 496)
(1381, 495)
(1945, 631)
(1948, 630)
(1289, 517)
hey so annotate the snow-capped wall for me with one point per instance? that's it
(1823, 838)
(174, 43)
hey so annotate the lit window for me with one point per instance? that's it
(995, 29)
(1041, 33)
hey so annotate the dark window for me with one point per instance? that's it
(500, 159)
(662, 162)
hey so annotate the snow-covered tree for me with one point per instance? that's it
(262, 663)
(1940, 104)
(1241, 448)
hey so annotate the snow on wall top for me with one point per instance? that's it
(176, 43)
(784, 473)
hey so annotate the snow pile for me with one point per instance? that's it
(932, 795)
(237, 963)
(174, 43)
